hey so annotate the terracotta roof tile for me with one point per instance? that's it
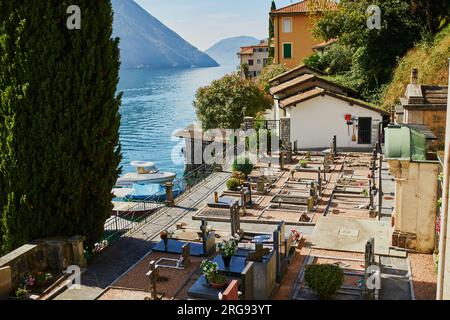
(305, 7)
(314, 92)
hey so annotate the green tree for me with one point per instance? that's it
(225, 102)
(268, 73)
(436, 13)
(374, 52)
(271, 32)
(59, 120)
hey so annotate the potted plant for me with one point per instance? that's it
(42, 278)
(227, 250)
(243, 165)
(233, 184)
(211, 272)
(324, 279)
(239, 176)
(165, 236)
(303, 163)
(22, 293)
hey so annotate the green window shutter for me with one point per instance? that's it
(287, 50)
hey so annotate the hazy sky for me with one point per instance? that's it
(204, 22)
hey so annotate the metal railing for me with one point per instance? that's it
(122, 223)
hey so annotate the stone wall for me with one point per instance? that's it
(53, 255)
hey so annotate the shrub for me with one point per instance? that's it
(233, 184)
(239, 176)
(243, 165)
(324, 279)
(303, 163)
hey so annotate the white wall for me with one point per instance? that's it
(316, 121)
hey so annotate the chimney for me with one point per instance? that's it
(415, 76)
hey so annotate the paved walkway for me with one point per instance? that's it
(388, 193)
(117, 259)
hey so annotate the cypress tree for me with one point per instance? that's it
(59, 120)
(271, 31)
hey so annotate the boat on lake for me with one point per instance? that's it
(146, 173)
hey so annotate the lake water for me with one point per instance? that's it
(156, 103)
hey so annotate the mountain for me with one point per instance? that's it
(145, 42)
(225, 51)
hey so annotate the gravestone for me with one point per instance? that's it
(319, 181)
(279, 244)
(369, 261)
(185, 256)
(334, 145)
(281, 159)
(247, 281)
(327, 163)
(231, 293)
(313, 191)
(153, 276)
(310, 204)
(235, 221)
(289, 153)
(208, 239)
(261, 184)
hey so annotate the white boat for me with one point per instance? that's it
(146, 172)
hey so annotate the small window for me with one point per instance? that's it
(287, 25)
(250, 62)
(265, 61)
(287, 50)
(258, 61)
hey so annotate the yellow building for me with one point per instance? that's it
(293, 25)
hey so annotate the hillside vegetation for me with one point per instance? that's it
(431, 60)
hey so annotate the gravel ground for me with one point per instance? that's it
(424, 276)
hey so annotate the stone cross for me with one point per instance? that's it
(203, 229)
(235, 220)
(259, 253)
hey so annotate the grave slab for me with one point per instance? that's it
(176, 247)
(327, 235)
(202, 290)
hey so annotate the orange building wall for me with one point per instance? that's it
(300, 37)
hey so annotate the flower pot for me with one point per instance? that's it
(218, 285)
(226, 261)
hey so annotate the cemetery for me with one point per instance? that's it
(243, 243)
(274, 234)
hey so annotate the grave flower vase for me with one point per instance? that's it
(226, 261)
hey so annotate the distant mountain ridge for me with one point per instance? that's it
(145, 42)
(225, 51)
